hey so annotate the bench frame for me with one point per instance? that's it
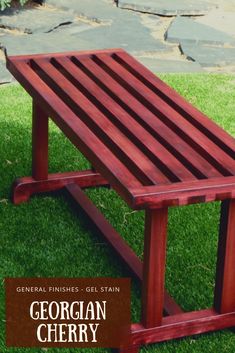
(153, 327)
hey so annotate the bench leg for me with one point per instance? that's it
(40, 181)
(39, 143)
(39, 155)
(154, 267)
(224, 300)
(153, 271)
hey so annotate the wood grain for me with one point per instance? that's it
(135, 130)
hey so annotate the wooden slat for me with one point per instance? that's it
(182, 325)
(184, 193)
(177, 146)
(184, 128)
(217, 134)
(84, 53)
(155, 151)
(116, 141)
(116, 241)
(79, 134)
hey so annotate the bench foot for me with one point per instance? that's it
(182, 325)
(24, 187)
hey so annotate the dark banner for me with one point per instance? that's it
(63, 312)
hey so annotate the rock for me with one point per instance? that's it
(160, 65)
(188, 31)
(167, 7)
(209, 56)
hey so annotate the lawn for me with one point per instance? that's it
(47, 238)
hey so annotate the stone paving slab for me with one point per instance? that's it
(131, 36)
(221, 20)
(187, 30)
(35, 20)
(43, 43)
(72, 29)
(5, 76)
(209, 56)
(97, 10)
(160, 65)
(167, 7)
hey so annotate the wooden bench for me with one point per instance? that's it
(155, 149)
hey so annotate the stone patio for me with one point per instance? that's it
(165, 35)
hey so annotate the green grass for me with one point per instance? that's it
(46, 238)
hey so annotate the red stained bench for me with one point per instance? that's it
(155, 149)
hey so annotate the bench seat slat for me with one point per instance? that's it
(184, 193)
